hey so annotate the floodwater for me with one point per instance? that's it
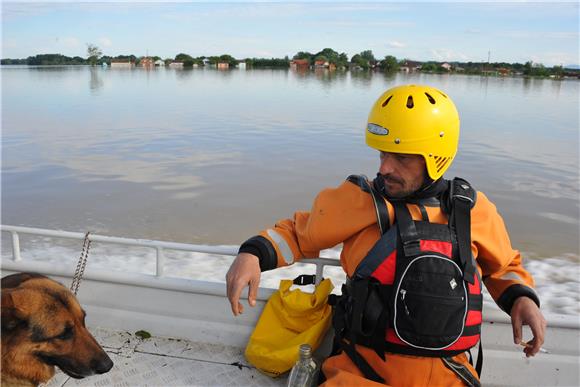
(211, 157)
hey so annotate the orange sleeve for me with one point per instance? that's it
(336, 215)
(501, 265)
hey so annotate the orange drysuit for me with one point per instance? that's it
(346, 214)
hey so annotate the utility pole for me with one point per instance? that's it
(485, 69)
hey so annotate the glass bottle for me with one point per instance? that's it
(305, 371)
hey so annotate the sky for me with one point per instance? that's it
(463, 31)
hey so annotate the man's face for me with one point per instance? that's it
(403, 173)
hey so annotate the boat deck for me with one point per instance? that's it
(158, 361)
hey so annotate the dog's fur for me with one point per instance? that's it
(43, 326)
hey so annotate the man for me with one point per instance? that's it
(416, 248)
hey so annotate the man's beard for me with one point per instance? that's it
(399, 194)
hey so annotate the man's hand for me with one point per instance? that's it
(244, 271)
(526, 312)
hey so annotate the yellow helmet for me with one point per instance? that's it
(418, 120)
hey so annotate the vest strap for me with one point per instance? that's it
(407, 229)
(461, 371)
(462, 222)
(380, 206)
(361, 363)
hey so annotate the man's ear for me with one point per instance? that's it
(11, 316)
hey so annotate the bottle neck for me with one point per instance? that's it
(305, 353)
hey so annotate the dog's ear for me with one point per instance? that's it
(14, 280)
(11, 316)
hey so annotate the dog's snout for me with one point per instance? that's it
(102, 364)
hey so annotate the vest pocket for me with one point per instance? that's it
(430, 303)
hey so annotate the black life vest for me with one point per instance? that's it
(417, 291)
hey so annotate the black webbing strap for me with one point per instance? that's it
(461, 371)
(479, 362)
(407, 229)
(305, 279)
(423, 210)
(359, 291)
(380, 205)
(361, 363)
(462, 222)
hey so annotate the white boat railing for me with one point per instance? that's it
(161, 281)
(158, 246)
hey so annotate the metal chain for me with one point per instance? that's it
(82, 263)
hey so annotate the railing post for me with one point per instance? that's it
(160, 261)
(319, 270)
(15, 246)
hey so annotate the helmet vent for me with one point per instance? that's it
(387, 101)
(410, 102)
(431, 99)
(442, 94)
(441, 162)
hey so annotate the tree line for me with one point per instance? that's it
(365, 60)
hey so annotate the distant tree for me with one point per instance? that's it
(389, 64)
(105, 59)
(233, 62)
(183, 57)
(304, 55)
(368, 56)
(557, 71)
(213, 59)
(53, 60)
(540, 70)
(327, 55)
(358, 60)
(268, 63)
(528, 68)
(93, 53)
(342, 60)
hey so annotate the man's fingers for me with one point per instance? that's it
(244, 271)
(517, 329)
(234, 296)
(253, 292)
(538, 329)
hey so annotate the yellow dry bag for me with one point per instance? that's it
(290, 318)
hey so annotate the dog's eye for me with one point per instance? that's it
(66, 334)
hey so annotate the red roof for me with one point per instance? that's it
(300, 62)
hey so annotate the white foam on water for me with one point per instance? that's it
(557, 278)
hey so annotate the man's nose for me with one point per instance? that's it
(387, 164)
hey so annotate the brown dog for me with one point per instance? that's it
(43, 326)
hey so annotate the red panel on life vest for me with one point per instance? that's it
(464, 342)
(393, 338)
(444, 248)
(476, 287)
(473, 318)
(385, 273)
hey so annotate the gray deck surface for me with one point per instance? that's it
(169, 362)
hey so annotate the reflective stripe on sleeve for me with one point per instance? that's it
(282, 246)
(512, 276)
(515, 277)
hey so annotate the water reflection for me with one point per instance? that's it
(95, 82)
(192, 144)
(361, 78)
